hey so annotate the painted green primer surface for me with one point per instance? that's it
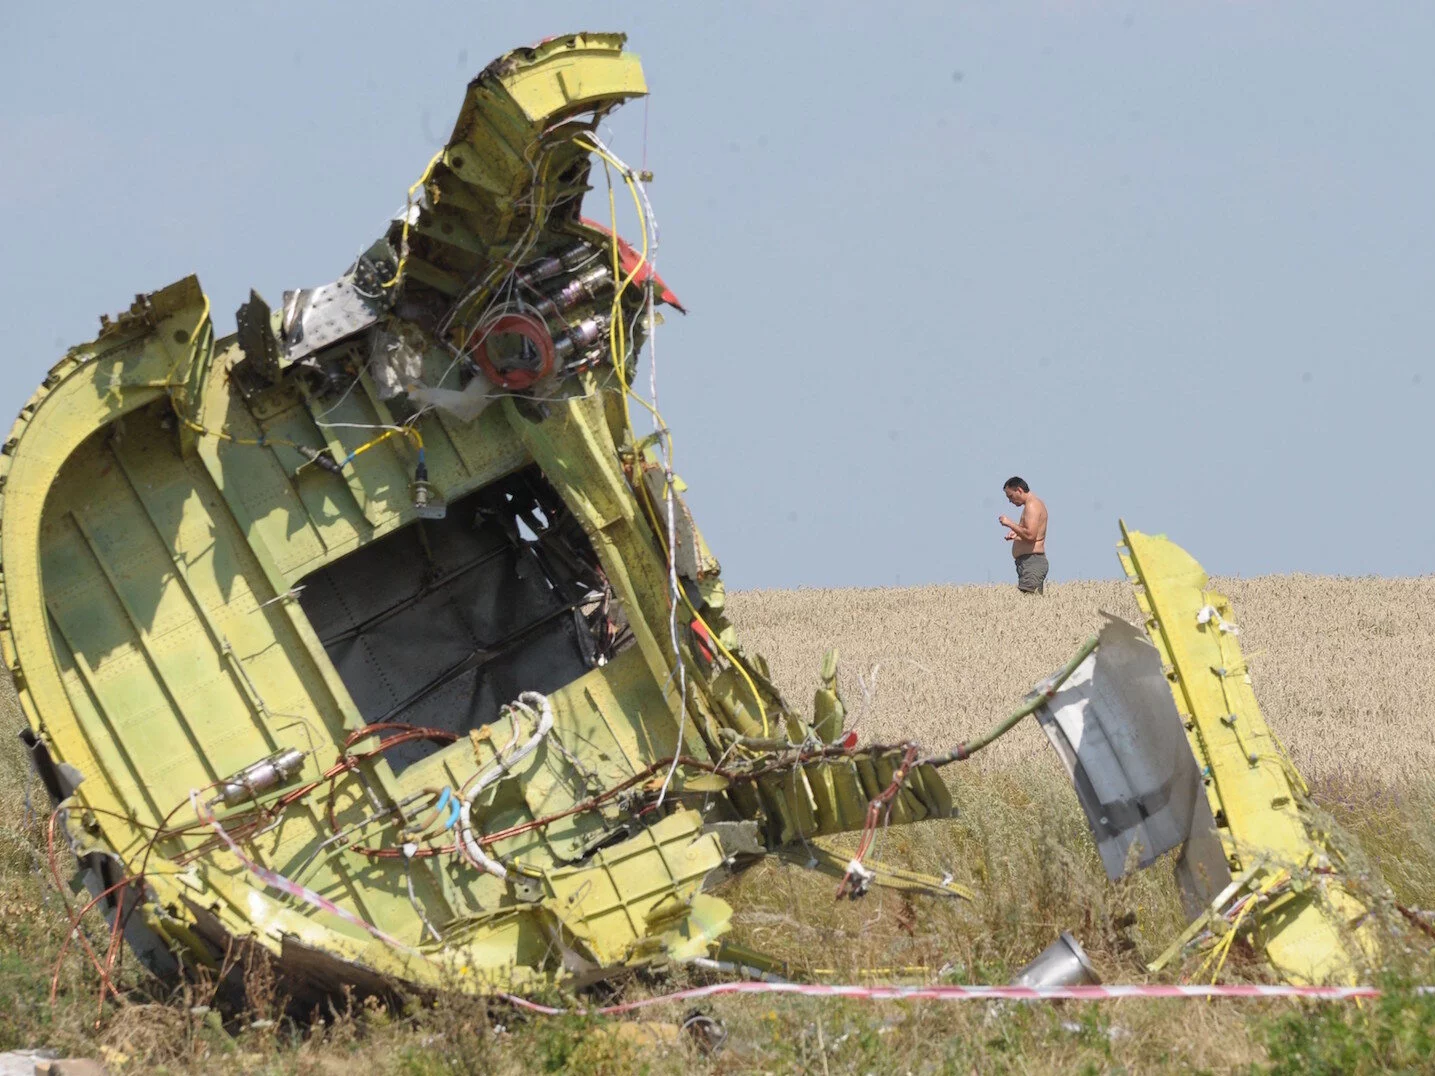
(161, 508)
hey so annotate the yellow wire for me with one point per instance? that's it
(616, 340)
(169, 381)
(406, 431)
(617, 334)
(204, 431)
(170, 385)
(482, 292)
(617, 343)
(1223, 947)
(409, 212)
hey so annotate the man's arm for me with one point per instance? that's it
(1026, 530)
(1020, 530)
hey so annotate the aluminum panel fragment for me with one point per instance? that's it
(1116, 729)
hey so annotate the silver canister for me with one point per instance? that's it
(268, 773)
(1062, 963)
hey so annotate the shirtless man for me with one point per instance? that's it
(1027, 536)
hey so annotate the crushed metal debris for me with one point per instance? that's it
(379, 632)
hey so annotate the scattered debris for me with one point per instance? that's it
(379, 632)
(24, 1062)
(708, 1032)
(47, 1063)
(70, 1066)
(398, 688)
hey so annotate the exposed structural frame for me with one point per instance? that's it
(228, 719)
(1312, 927)
(377, 632)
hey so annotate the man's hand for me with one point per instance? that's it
(1014, 530)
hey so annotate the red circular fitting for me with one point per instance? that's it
(530, 329)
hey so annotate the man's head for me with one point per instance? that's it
(1016, 490)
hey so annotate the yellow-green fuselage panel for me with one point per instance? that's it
(1255, 792)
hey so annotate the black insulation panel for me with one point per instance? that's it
(442, 622)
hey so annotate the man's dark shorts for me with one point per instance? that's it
(1031, 569)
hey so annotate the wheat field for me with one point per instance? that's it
(1344, 670)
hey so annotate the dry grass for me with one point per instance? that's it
(1344, 669)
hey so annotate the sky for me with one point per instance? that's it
(1171, 263)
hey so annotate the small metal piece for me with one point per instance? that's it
(738, 838)
(576, 256)
(314, 318)
(551, 266)
(527, 883)
(586, 361)
(587, 285)
(268, 773)
(256, 338)
(1062, 963)
(320, 457)
(707, 1033)
(579, 336)
(426, 504)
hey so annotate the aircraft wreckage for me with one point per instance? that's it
(378, 634)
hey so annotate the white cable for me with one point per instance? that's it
(528, 702)
(665, 445)
(525, 241)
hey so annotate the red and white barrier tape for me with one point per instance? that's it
(985, 993)
(275, 880)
